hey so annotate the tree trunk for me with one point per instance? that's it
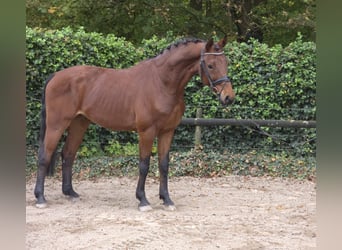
(240, 13)
(196, 4)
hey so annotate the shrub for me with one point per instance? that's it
(270, 83)
(53, 50)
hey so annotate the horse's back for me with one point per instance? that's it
(99, 94)
(128, 99)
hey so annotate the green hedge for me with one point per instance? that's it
(270, 83)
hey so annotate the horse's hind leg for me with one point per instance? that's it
(74, 138)
(46, 150)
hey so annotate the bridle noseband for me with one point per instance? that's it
(204, 67)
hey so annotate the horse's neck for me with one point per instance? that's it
(177, 66)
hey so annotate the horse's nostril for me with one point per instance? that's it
(228, 100)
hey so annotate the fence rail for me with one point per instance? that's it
(248, 122)
(255, 123)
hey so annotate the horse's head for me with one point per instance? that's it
(213, 70)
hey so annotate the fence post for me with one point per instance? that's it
(198, 133)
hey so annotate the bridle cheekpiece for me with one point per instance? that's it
(204, 67)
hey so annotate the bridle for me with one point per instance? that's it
(204, 68)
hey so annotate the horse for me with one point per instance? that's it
(147, 98)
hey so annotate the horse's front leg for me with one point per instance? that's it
(145, 147)
(164, 143)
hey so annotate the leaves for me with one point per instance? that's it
(275, 21)
(270, 83)
(196, 163)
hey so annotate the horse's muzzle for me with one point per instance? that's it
(225, 93)
(226, 100)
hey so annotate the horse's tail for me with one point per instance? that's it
(50, 170)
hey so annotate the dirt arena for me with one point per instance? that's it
(212, 213)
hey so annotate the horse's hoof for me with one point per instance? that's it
(169, 207)
(71, 193)
(73, 199)
(41, 205)
(145, 208)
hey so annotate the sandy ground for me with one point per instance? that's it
(212, 213)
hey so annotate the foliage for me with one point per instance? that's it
(270, 83)
(274, 78)
(197, 163)
(116, 149)
(278, 21)
(50, 51)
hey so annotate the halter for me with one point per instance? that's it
(204, 67)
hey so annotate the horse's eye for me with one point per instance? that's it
(210, 66)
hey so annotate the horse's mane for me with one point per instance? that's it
(182, 41)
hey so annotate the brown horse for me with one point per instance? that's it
(147, 98)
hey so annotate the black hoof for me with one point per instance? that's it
(71, 193)
(167, 201)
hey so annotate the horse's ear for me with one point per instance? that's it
(209, 44)
(222, 42)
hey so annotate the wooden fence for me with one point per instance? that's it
(256, 123)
